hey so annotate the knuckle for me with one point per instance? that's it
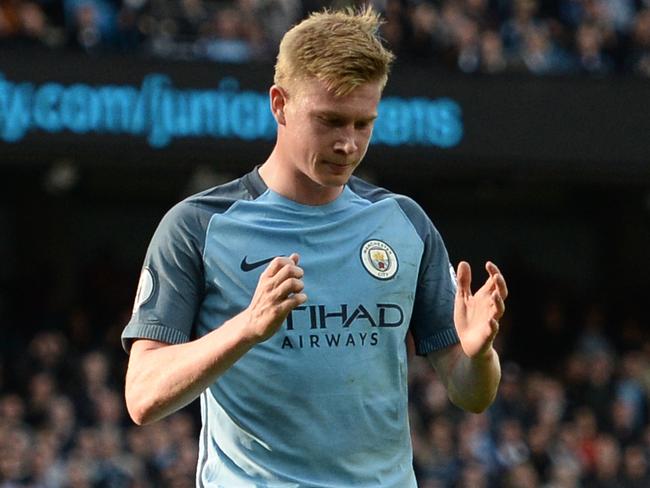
(267, 287)
(281, 261)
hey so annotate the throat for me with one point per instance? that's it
(300, 187)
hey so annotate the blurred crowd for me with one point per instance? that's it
(553, 37)
(572, 413)
(572, 410)
(63, 423)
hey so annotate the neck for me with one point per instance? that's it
(293, 184)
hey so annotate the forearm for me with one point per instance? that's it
(164, 379)
(471, 383)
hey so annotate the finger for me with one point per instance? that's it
(494, 325)
(497, 278)
(287, 287)
(295, 300)
(291, 302)
(276, 265)
(295, 257)
(500, 282)
(499, 305)
(464, 277)
(492, 268)
(288, 271)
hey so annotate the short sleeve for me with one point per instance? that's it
(171, 284)
(432, 320)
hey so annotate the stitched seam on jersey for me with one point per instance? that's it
(384, 194)
(231, 208)
(208, 227)
(205, 431)
(392, 197)
(250, 185)
(394, 200)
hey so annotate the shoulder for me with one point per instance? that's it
(192, 215)
(413, 211)
(217, 199)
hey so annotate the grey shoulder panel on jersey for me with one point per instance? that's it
(432, 322)
(413, 211)
(172, 282)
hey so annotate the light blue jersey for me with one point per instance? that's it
(322, 403)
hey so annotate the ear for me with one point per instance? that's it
(278, 99)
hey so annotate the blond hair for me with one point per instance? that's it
(342, 49)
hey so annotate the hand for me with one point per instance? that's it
(477, 316)
(279, 290)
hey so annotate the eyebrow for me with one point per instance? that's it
(337, 115)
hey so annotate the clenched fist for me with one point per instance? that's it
(279, 290)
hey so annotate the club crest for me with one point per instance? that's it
(379, 259)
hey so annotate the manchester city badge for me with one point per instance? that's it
(379, 259)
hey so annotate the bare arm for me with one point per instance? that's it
(162, 378)
(471, 370)
(471, 382)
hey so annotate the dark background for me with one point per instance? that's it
(551, 180)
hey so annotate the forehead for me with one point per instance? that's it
(313, 96)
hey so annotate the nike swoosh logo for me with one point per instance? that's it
(246, 266)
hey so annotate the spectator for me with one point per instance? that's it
(395, 28)
(591, 37)
(423, 42)
(539, 442)
(473, 475)
(227, 39)
(608, 460)
(91, 24)
(493, 59)
(600, 388)
(522, 475)
(638, 59)
(468, 47)
(442, 464)
(564, 475)
(512, 450)
(591, 57)
(515, 29)
(636, 473)
(539, 54)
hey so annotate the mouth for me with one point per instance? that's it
(339, 165)
(337, 168)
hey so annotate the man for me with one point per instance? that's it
(283, 299)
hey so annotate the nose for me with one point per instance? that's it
(346, 145)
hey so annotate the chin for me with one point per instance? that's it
(334, 176)
(334, 181)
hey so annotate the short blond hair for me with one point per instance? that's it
(342, 49)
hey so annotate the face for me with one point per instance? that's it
(323, 138)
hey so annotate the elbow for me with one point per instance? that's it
(139, 410)
(137, 416)
(480, 405)
(136, 412)
(477, 408)
(474, 405)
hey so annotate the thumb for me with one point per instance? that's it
(295, 257)
(464, 277)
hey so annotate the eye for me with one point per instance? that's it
(332, 121)
(363, 124)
